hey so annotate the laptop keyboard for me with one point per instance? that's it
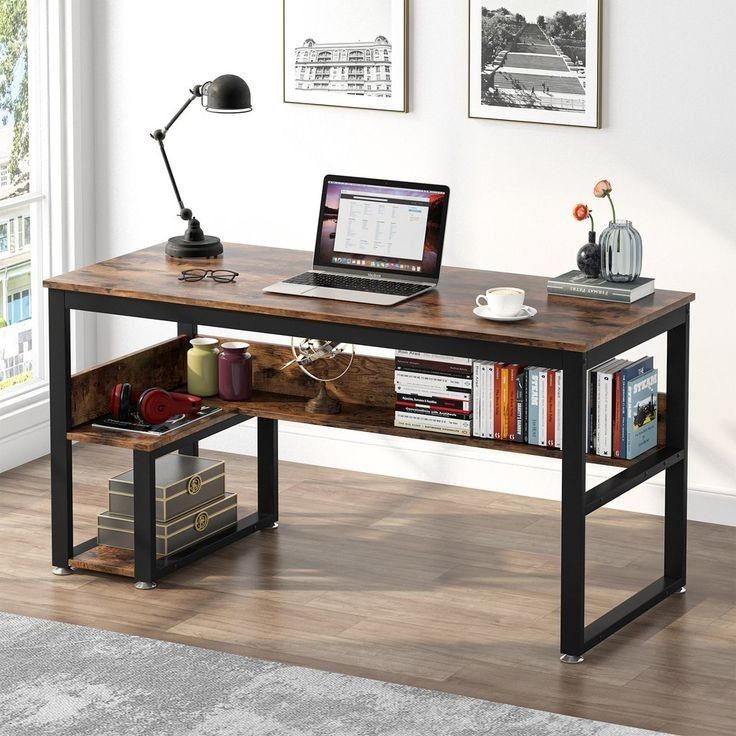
(355, 283)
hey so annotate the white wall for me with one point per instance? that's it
(666, 144)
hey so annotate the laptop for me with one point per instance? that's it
(378, 242)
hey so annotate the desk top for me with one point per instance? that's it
(563, 323)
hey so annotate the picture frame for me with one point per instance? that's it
(347, 53)
(545, 68)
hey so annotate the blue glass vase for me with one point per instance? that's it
(620, 252)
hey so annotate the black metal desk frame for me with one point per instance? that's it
(575, 637)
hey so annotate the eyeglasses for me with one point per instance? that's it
(222, 276)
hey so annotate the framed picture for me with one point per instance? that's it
(537, 61)
(347, 53)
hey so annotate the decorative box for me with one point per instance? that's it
(177, 534)
(182, 483)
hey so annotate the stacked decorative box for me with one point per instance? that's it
(191, 505)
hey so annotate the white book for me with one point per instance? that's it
(427, 380)
(476, 398)
(484, 399)
(433, 357)
(490, 386)
(604, 421)
(424, 397)
(461, 427)
(543, 407)
(558, 410)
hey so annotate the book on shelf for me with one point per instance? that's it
(434, 393)
(641, 414)
(577, 284)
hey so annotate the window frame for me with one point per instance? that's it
(62, 201)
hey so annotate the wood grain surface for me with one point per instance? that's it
(561, 323)
(429, 585)
(366, 392)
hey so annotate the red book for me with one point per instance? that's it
(497, 413)
(551, 401)
(617, 411)
(513, 375)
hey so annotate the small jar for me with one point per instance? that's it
(235, 369)
(202, 366)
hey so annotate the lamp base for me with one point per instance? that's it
(180, 247)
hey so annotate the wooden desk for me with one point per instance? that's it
(568, 334)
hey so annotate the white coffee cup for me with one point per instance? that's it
(503, 301)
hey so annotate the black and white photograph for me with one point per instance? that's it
(346, 53)
(535, 61)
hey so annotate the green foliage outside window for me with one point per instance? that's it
(14, 84)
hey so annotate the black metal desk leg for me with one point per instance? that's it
(574, 438)
(190, 330)
(62, 531)
(675, 507)
(268, 469)
(144, 524)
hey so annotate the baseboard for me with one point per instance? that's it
(465, 466)
(24, 446)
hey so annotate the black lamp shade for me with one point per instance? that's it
(228, 93)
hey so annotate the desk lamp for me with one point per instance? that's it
(227, 94)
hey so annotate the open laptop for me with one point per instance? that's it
(378, 242)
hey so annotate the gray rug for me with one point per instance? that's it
(63, 680)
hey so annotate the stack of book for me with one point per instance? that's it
(433, 392)
(623, 408)
(499, 401)
(514, 403)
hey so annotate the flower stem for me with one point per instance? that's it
(612, 206)
(592, 223)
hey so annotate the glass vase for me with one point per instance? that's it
(620, 252)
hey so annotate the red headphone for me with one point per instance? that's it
(154, 406)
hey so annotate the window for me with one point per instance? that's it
(19, 306)
(19, 197)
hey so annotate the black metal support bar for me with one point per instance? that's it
(268, 468)
(572, 589)
(183, 328)
(278, 325)
(637, 337)
(631, 477)
(84, 546)
(144, 523)
(60, 404)
(675, 507)
(630, 609)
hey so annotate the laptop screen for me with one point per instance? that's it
(386, 226)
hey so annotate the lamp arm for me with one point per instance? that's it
(158, 135)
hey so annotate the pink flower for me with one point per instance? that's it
(602, 189)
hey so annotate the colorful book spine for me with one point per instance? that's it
(514, 430)
(533, 412)
(631, 372)
(543, 407)
(551, 407)
(641, 414)
(558, 409)
(505, 396)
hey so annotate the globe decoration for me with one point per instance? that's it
(324, 361)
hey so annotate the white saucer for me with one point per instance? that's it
(525, 313)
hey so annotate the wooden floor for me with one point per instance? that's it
(429, 585)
